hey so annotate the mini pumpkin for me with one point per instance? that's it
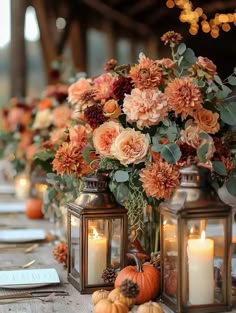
(147, 277)
(115, 294)
(107, 306)
(150, 307)
(33, 208)
(99, 295)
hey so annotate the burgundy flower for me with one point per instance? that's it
(94, 116)
(122, 86)
(188, 153)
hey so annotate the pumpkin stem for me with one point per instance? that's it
(137, 262)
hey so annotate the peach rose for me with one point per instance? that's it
(104, 135)
(211, 147)
(43, 119)
(207, 121)
(61, 115)
(111, 109)
(77, 89)
(190, 135)
(103, 85)
(130, 146)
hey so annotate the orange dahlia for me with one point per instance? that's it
(66, 159)
(183, 96)
(159, 179)
(146, 75)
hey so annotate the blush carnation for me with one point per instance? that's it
(145, 107)
(159, 179)
(130, 146)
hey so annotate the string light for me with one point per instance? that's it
(194, 17)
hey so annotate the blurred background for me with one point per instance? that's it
(84, 34)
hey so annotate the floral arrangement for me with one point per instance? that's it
(144, 122)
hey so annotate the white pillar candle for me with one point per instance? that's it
(201, 270)
(97, 257)
(22, 187)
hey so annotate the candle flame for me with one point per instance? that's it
(203, 235)
(95, 234)
(23, 182)
(191, 230)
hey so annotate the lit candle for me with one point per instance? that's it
(97, 257)
(201, 271)
(22, 187)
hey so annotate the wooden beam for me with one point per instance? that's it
(46, 35)
(78, 42)
(139, 6)
(152, 47)
(17, 49)
(118, 17)
(108, 28)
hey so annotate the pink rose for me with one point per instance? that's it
(77, 89)
(130, 146)
(103, 85)
(104, 135)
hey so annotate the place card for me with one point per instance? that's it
(22, 235)
(28, 278)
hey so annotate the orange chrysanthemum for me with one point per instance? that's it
(183, 96)
(159, 179)
(66, 159)
(146, 75)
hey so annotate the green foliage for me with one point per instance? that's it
(44, 155)
(228, 113)
(219, 168)
(202, 151)
(231, 185)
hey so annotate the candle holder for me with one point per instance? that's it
(97, 235)
(22, 186)
(196, 247)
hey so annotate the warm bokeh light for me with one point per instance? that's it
(195, 16)
(5, 23)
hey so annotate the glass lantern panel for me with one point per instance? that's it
(75, 246)
(115, 243)
(170, 252)
(205, 265)
(97, 250)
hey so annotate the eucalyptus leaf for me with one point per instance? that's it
(86, 154)
(226, 90)
(232, 80)
(231, 185)
(219, 168)
(201, 152)
(171, 153)
(121, 176)
(44, 155)
(121, 193)
(189, 56)
(157, 147)
(203, 135)
(228, 113)
(218, 80)
(181, 48)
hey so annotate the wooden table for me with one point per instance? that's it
(43, 256)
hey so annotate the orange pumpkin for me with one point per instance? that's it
(98, 295)
(115, 294)
(33, 208)
(107, 306)
(147, 277)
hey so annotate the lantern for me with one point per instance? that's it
(196, 246)
(97, 235)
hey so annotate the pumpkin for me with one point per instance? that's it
(115, 294)
(99, 295)
(33, 208)
(107, 306)
(147, 277)
(150, 307)
(171, 284)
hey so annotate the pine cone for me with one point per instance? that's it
(155, 260)
(109, 275)
(129, 289)
(60, 253)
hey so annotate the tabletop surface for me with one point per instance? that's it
(15, 256)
